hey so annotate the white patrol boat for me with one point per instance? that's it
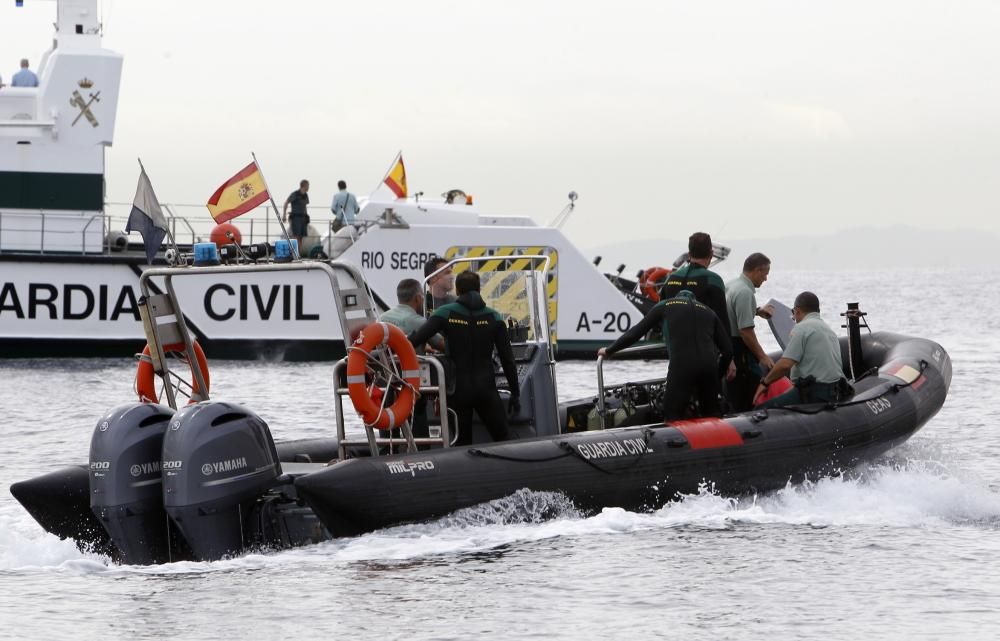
(69, 276)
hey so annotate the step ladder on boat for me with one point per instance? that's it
(166, 331)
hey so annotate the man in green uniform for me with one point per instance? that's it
(472, 331)
(812, 356)
(752, 362)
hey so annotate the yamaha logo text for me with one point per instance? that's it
(230, 465)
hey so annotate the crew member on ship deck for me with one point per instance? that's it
(25, 77)
(299, 200)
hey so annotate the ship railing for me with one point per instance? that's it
(39, 231)
(258, 225)
(28, 231)
(630, 351)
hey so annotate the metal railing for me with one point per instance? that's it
(23, 231)
(407, 439)
(37, 231)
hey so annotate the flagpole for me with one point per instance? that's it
(386, 175)
(173, 243)
(295, 250)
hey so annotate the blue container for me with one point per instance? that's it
(283, 250)
(205, 254)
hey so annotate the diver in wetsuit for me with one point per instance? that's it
(471, 332)
(700, 352)
(695, 276)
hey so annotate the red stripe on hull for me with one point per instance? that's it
(706, 433)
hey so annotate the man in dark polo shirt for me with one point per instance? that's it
(299, 200)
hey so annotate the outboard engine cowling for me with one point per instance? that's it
(218, 458)
(125, 491)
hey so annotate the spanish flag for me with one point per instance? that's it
(396, 179)
(238, 195)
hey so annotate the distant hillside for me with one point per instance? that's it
(883, 247)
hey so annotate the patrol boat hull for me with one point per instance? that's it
(643, 467)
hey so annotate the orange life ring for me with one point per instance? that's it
(651, 281)
(145, 377)
(373, 413)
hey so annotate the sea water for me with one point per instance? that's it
(902, 548)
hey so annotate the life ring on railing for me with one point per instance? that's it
(374, 412)
(651, 281)
(145, 377)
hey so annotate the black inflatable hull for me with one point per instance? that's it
(641, 468)
(637, 468)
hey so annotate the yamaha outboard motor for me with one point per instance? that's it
(125, 491)
(218, 458)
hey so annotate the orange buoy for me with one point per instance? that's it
(145, 377)
(651, 281)
(372, 411)
(221, 234)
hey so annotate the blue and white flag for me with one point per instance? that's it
(147, 217)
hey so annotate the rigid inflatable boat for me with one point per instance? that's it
(206, 480)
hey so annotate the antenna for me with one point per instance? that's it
(563, 216)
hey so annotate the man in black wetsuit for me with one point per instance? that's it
(708, 287)
(695, 276)
(471, 332)
(700, 352)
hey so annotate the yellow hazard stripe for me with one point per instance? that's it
(492, 265)
(508, 301)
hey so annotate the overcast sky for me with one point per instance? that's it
(741, 118)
